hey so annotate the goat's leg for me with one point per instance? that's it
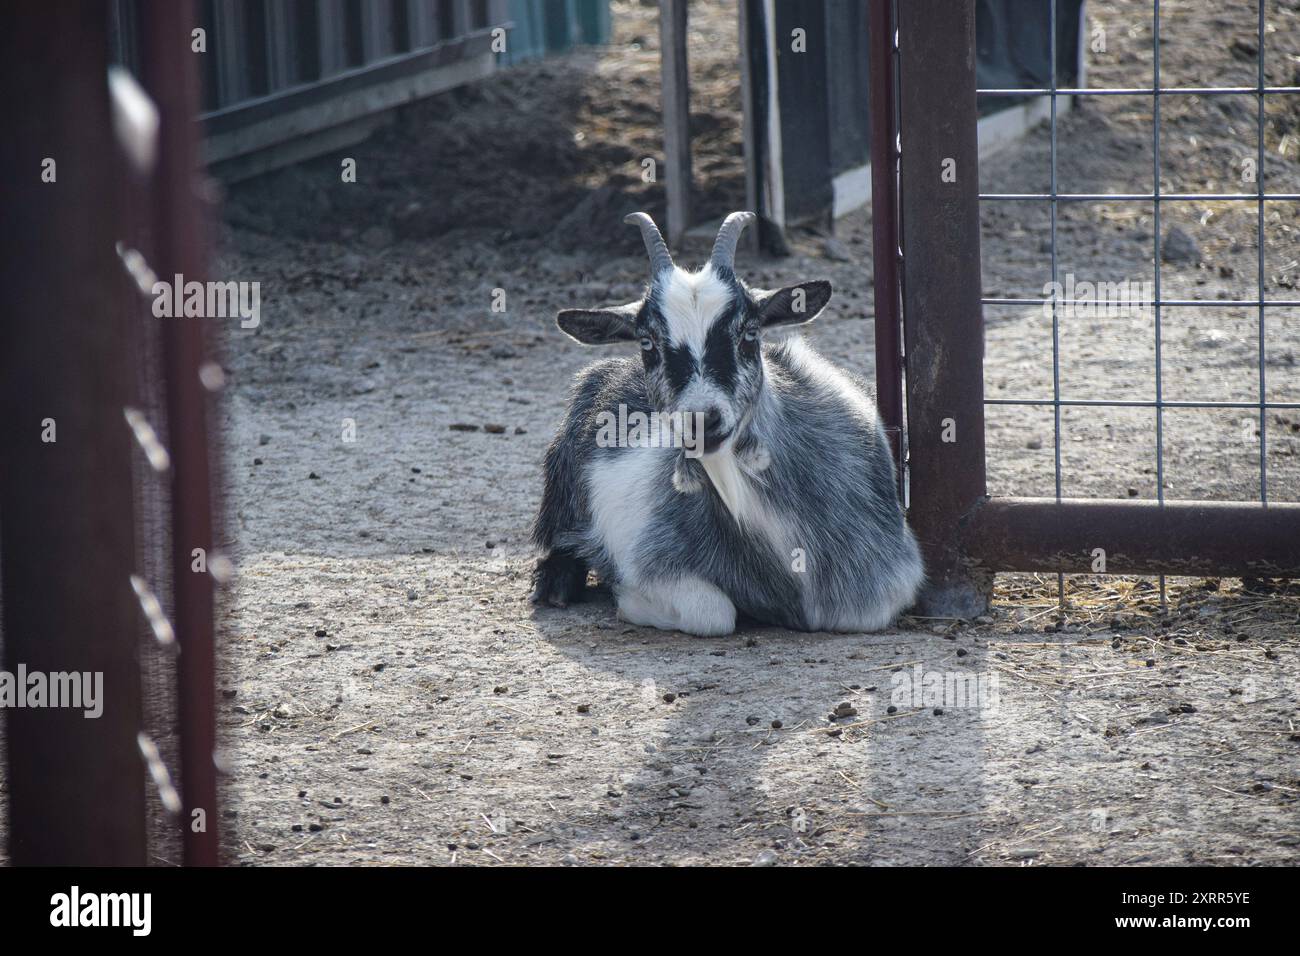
(559, 578)
(687, 604)
(561, 573)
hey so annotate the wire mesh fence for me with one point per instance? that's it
(1054, 197)
(1259, 197)
(969, 534)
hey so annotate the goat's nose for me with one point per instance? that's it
(712, 419)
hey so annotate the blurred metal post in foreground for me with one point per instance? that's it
(170, 76)
(76, 784)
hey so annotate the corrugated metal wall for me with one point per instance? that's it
(539, 27)
(262, 47)
(277, 71)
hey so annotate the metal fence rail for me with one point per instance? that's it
(966, 534)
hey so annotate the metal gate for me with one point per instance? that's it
(968, 535)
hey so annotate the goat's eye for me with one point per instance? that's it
(751, 334)
(647, 344)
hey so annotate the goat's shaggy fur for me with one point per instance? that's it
(791, 519)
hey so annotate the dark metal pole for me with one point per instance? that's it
(944, 332)
(170, 76)
(76, 783)
(884, 230)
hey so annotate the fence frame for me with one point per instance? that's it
(966, 534)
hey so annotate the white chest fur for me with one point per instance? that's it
(736, 483)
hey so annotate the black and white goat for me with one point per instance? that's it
(789, 516)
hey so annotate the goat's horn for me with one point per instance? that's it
(724, 247)
(654, 242)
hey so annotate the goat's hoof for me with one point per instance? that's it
(560, 578)
(543, 599)
(553, 596)
(689, 476)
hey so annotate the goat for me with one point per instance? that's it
(776, 498)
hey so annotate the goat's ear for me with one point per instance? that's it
(793, 305)
(600, 326)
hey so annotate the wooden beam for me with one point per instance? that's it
(677, 115)
(749, 124)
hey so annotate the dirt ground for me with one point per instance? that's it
(389, 695)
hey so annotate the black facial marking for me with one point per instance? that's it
(720, 353)
(678, 366)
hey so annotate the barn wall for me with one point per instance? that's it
(809, 135)
(287, 79)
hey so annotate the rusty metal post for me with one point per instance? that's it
(76, 783)
(943, 319)
(884, 231)
(171, 79)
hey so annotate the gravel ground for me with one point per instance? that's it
(389, 696)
